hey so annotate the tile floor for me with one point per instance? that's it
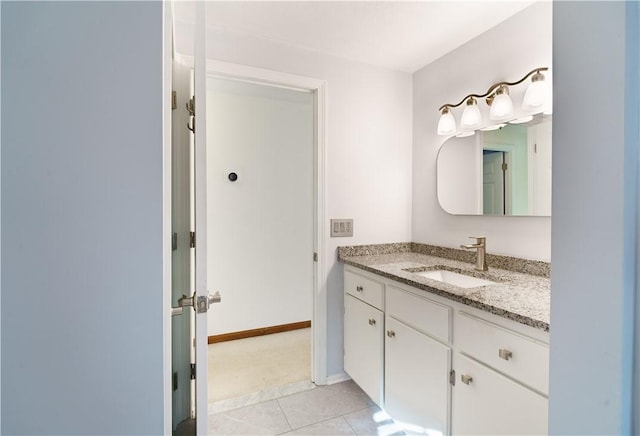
(339, 409)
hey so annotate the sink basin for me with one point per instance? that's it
(452, 278)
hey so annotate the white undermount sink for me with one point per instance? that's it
(452, 278)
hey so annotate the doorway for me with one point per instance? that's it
(264, 187)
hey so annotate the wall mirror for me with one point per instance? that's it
(501, 172)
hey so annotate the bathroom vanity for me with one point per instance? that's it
(470, 357)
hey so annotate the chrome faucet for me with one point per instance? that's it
(481, 245)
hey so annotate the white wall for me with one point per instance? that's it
(505, 52)
(595, 192)
(82, 218)
(260, 227)
(368, 150)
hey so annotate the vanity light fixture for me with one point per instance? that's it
(536, 99)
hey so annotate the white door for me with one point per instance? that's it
(181, 252)
(190, 294)
(200, 222)
(493, 186)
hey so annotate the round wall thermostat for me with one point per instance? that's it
(233, 177)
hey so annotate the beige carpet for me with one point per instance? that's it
(245, 366)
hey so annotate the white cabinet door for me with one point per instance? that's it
(363, 329)
(493, 404)
(416, 378)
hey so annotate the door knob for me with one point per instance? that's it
(201, 305)
(466, 379)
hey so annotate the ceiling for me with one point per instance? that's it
(403, 36)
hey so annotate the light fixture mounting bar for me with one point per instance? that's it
(494, 87)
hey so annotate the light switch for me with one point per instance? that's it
(341, 227)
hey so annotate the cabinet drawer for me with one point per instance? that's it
(421, 314)
(363, 288)
(515, 355)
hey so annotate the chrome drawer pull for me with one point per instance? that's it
(372, 321)
(359, 288)
(466, 379)
(391, 333)
(505, 354)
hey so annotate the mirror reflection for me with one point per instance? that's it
(506, 171)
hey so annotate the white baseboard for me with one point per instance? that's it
(337, 378)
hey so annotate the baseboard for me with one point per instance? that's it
(258, 332)
(337, 378)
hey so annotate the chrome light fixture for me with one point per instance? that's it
(537, 99)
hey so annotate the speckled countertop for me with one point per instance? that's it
(524, 298)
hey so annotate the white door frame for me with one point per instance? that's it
(319, 88)
(236, 71)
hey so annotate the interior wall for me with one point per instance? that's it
(82, 218)
(594, 217)
(259, 227)
(505, 52)
(368, 151)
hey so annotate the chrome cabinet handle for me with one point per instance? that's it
(505, 354)
(359, 288)
(466, 379)
(372, 321)
(391, 333)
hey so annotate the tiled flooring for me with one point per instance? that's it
(339, 409)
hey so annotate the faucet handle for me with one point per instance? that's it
(479, 239)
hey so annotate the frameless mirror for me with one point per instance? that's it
(500, 172)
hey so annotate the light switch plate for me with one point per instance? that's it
(341, 227)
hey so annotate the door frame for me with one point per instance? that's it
(319, 89)
(269, 77)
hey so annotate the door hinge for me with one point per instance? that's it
(193, 371)
(174, 100)
(191, 108)
(174, 242)
(452, 377)
(315, 257)
(175, 381)
(535, 148)
(192, 239)
(504, 167)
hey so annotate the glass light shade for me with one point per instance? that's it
(501, 107)
(536, 97)
(447, 124)
(471, 117)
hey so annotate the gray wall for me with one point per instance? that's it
(595, 191)
(81, 202)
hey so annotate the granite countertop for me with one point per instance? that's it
(524, 298)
